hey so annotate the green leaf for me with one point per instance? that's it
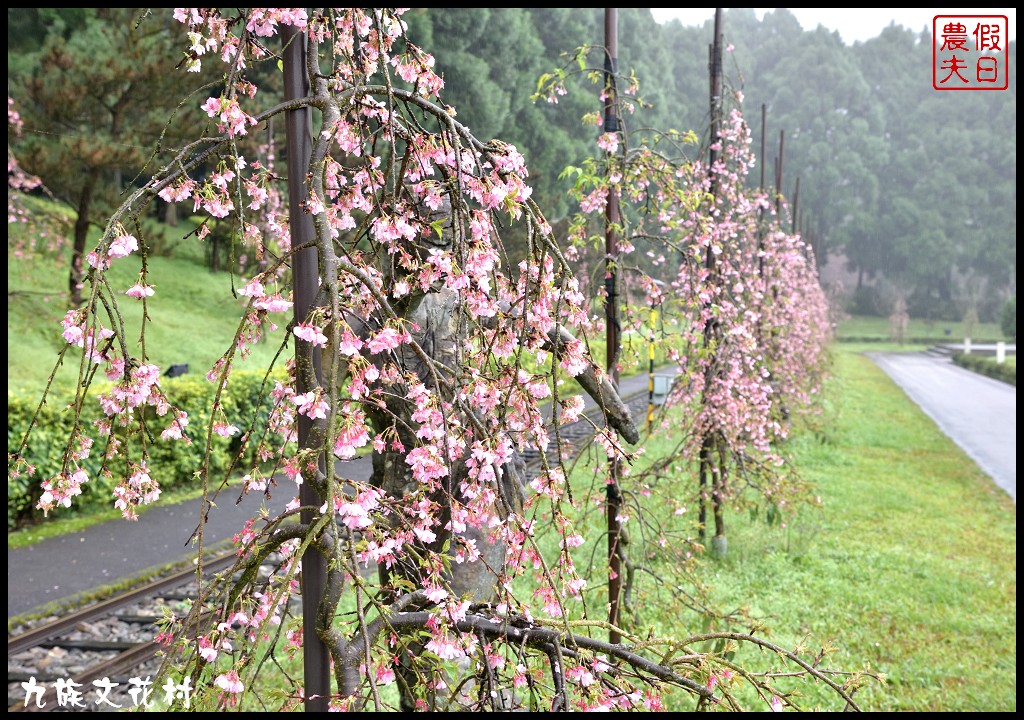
(401, 583)
(437, 225)
(569, 171)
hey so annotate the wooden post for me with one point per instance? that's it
(778, 173)
(764, 113)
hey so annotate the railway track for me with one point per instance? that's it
(112, 642)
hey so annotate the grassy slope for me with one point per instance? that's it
(193, 317)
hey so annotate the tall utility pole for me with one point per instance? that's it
(613, 497)
(764, 121)
(316, 660)
(715, 74)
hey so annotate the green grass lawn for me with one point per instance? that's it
(931, 331)
(909, 566)
(193, 315)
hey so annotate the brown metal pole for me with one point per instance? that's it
(760, 211)
(796, 202)
(764, 119)
(613, 497)
(715, 87)
(708, 471)
(316, 660)
(778, 172)
(715, 71)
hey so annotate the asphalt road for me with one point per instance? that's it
(978, 413)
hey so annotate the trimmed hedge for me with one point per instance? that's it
(1008, 319)
(909, 340)
(987, 366)
(172, 463)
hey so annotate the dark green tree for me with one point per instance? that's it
(96, 100)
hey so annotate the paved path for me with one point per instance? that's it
(60, 570)
(977, 412)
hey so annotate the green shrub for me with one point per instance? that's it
(1008, 319)
(986, 366)
(172, 463)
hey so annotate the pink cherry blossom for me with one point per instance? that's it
(312, 405)
(387, 338)
(139, 291)
(273, 303)
(229, 682)
(311, 334)
(123, 246)
(225, 429)
(253, 289)
(609, 142)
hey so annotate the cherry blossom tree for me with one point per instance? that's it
(744, 320)
(425, 348)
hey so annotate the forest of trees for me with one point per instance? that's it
(899, 181)
(908, 183)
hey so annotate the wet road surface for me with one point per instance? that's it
(978, 413)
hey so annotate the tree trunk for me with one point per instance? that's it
(718, 474)
(171, 215)
(214, 253)
(440, 332)
(78, 249)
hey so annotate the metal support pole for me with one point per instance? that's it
(613, 497)
(764, 120)
(653, 320)
(711, 329)
(778, 173)
(715, 71)
(316, 660)
(760, 211)
(796, 203)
